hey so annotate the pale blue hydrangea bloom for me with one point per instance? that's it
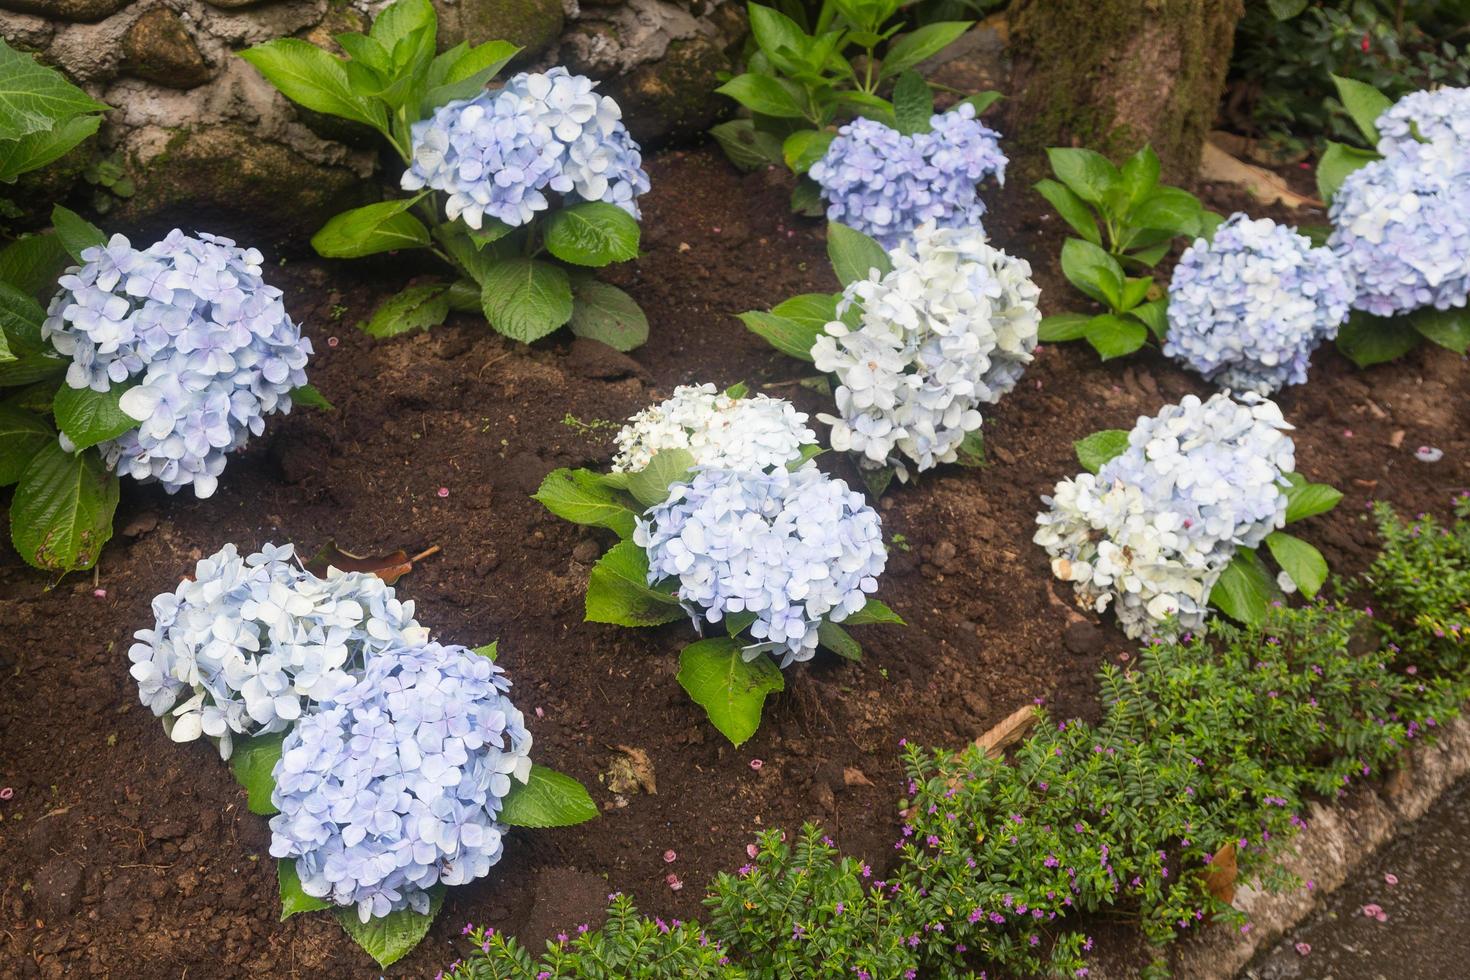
(209, 345)
(247, 645)
(794, 548)
(1433, 115)
(1152, 531)
(1401, 228)
(393, 785)
(1247, 309)
(886, 184)
(755, 433)
(499, 153)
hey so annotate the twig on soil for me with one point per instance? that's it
(431, 550)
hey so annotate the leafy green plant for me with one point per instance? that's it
(1127, 221)
(42, 115)
(529, 280)
(1421, 581)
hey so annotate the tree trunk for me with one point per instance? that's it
(1112, 75)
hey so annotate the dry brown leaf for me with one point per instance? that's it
(631, 771)
(390, 567)
(1216, 164)
(852, 776)
(1220, 874)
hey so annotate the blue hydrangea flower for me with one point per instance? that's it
(247, 645)
(1434, 115)
(499, 153)
(394, 784)
(794, 548)
(886, 184)
(209, 345)
(1247, 309)
(1401, 228)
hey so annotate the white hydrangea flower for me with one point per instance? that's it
(1441, 114)
(756, 433)
(919, 350)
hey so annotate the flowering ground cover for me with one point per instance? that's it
(134, 850)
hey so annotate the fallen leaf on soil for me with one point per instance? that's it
(1220, 874)
(1216, 164)
(390, 567)
(1010, 731)
(631, 771)
(852, 776)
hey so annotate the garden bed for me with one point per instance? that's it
(126, 853)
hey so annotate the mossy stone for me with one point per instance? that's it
(534, 25)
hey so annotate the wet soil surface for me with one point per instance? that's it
(126, 855)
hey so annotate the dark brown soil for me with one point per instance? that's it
(128, 856)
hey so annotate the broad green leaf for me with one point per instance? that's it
(22, 435)
(839, 641)
(872, 106)
(737, 623)
(1286, 9)
(293, 899)
(806, 198)
(1245, 589)
(788, 336)
(618, 591)
(1098, 448)
(1305, 499)
(33, 263)
(605, 313)
(463, 296)
(913, 103)
(1367, 340)
(383, 227)
(813, 310)
(526, 299)
(1447, 328)
(547, 799)
(413, 308)
(971, 450)
(1302, 563)
(1364, 104)
(1155, 316)
(1115, 336)
(310, 76)
(1336, 162)
(731, 689)
(20, 320)
(854, 255)
(907, 50)
(747, 147)
(35, 150)
(30, 368)
(779, 37)
(34, 98)
(592, 234)
(467, 73)
(762, 94)
(1171, 210)
(805, 147)
(1134, 290)
(1073, 209)
(873, 612)
(309, 397)
(582, 497)
(1140, 178)
(76, 233)
(88, 417)
(61, 514)
(1093, 271)
(1089, 174)
(650, 485)
(1061, 327)
(392, 937)
(982, 100)
(253, 762)
(401, 20)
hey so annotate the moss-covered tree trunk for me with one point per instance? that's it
(1113, 75)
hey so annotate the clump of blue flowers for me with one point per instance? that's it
(205, 342)
(1247, 308)
(793, 548)
(886, 184)
(247, 645)
(499, 153)
(1435, 115)
(394, 784)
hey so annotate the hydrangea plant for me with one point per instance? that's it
(1247, 308)
(1168, 518)
(722, 517)
(920, 338)
(1434, 115)
(521, 191)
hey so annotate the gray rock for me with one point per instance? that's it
(158, 48)
(77, 11)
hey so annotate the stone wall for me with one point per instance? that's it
(198, 131)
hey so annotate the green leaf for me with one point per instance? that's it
(786, 335)
(20, 319)
(1073, 209)
(592, 234)
(33, 263)
(547, 799)
(61, 514)
(877, 479)
(747, 147)
(76, 233)
(874, 612)
(1447, 328)
(1286, 9)
(907, 50)
(28, 369)
(605, 313)
(582, 497)
(34, 98)
(1115, 336)
(88, 417)
(762, 94)
(22, 435)
(839, 641)
(1062, 327)
(309, 397)
(526, 299)
(913, 103)
(1302, 563)
(1245, 589)
(981, 100)
(392, 937)
(736, 623)
(1134, 290)
(1140, 178)
(1305, 499)
(35, 150)
(779, 37)
(618, 591)
(383, 227)
(811, 310)
(854, 255)
(413, 308)
(1093, 271)
(1089, 174)
(466, 74)
(971, 450)
(253, 762)
(806, 198)
(1367, 340)
(1364, 104)
(1155, 316)
(1171, 210)
(731, 689)
(650, 485)
(1098, 448)
(805, 147)
(293, 899)
(463, 296)
(489, 650)
(1336, 162)
(311, 77)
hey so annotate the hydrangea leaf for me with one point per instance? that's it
(1305, 499)
(22, 435)
(88, 417)
(1447, 328)
(1245, 589)
(413, 308)
(1367, 340)
(907, 50)
(877, 480)
(383, 227)
(20, 322)
(839, 641)
(618, 591)
(971, 450)
(791, 337)
(1364, 104)
(1073, 209)
(76, 233)
(310, 397)
(814, 310)
(1169, 209)
(1098, 448)
(737, 623)
(1155, 316)
(650, 485)
(30, 368)
(762, 94)
(779, 37)
(310, 76)
(293, 899)
(592, 234)
(1061, 327)
(1302, 562)
(390, 938)
(805, 147)
(463, 71)
(806, 198)
(913, 103)
(1336, 162)
(1093, 271)
(581, 497)
(731, 689)
(1089, 174)
(874, 612)
(32, 264)
(1115, 336)
(526, 299)
(746, 147)
(61, 514)
(35, 150)
(489, 650)
(34, 97)
(982, 100)
(854, 255)
(253, 762)
(603, 312)
(547, 799)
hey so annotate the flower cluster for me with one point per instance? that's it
(247, 645)
(793, 548)
(208, 343)
(1401, 228)
(949, 329)
(500, 152)
(886, 184)
(1247, 309)
(757, 433)
(1152, 531)
(394, 784)
(1436, 115)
